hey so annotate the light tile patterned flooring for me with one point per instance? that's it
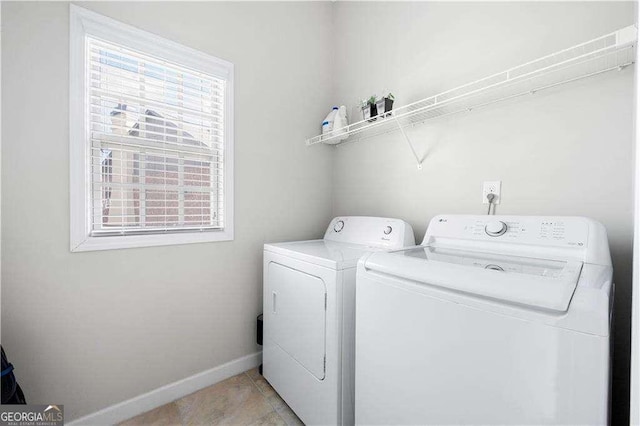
(245, 399)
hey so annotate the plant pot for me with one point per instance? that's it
(374, 111)
(384, 106)
(366, 113)
(369, 112)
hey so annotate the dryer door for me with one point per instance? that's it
(297, 311)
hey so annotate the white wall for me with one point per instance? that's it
(92, 329)
(567, 151)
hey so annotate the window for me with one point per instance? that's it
(151, 139)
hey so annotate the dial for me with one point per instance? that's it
(388, 230)
(338, 226)
(495, 228)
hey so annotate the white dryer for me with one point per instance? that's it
(309, 290)
(493, 320)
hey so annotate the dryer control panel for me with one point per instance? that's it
(379, 232)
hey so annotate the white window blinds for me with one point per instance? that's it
(156, 143)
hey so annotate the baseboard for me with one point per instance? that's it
(165, 394)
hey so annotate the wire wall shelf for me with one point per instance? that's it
(610, 52)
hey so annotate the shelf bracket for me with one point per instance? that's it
(406, 138)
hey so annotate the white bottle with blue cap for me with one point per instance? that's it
(327, 124)
(340, 123)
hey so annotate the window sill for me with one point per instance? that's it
(134, 241)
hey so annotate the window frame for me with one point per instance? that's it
(82, 23)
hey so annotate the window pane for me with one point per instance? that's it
(156, 142)
(162, 208)
(197, 208)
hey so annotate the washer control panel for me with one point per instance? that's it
(371, 231)
(538, 230)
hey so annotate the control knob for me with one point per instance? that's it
(388, 230)
(495, 228)
(338, 226)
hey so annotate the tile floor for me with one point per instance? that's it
(245, 399)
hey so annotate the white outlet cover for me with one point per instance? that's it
(491, 187)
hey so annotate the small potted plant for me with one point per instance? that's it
(369, 109)
(384, 105)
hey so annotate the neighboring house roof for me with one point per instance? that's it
(164, 130)
(156, 123)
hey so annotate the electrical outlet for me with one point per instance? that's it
(492, 187)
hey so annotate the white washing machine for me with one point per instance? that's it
(493, 320)
(309, 290)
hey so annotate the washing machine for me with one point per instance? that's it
(309, 290)
(492, 320)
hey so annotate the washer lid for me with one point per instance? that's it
(538, 283)
(329, 254)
